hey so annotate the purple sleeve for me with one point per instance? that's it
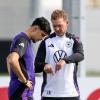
(19, 46)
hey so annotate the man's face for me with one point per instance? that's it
(60, 26)
(38, 35)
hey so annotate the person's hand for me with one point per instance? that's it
(48, 69)
(29, 84)
(59, 65)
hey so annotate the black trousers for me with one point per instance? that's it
(60, 98)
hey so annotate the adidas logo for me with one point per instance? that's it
(21, 44)
(51, 45)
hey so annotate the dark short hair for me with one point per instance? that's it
(43, 23)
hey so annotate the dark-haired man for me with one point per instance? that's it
(21, 60)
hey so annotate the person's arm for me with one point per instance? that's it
(78, 52)
(40, 64)
(17, 51)
(40, 58)
(13, 63)
(8, 65)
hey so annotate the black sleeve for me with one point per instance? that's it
(20, 46)
(78, 53)
(40, 57)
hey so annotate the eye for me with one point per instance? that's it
(43, 35)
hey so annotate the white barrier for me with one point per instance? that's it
(87, 86)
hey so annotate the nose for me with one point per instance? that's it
(57, 28)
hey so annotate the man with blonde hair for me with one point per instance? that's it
(58, 57)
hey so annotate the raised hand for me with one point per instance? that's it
(59, 65)
(48, 69)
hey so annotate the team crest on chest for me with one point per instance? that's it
(69, 44)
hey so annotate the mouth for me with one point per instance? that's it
(33, 41)
(60, 33)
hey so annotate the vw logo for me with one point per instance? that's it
(60, 54)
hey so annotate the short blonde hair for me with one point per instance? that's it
(59, 14)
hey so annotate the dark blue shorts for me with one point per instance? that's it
(18, 94)
(60, 98)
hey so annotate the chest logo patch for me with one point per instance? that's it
(69, 44)
(51, 45)
(60, 54)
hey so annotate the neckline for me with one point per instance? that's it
(26, 36)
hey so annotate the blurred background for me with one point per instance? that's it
(84, 16)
